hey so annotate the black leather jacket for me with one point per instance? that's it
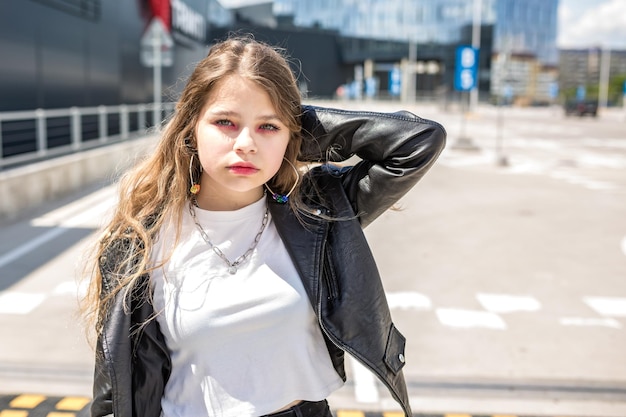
(332, 257)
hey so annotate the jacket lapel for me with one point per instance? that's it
(304, 243)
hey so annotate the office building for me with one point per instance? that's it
(580, 70)
(523, 41)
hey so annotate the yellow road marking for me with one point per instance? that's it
(13, 413)
(27, 401)
(348, 414)
(393, 414)
(58, 414)
(72, 403)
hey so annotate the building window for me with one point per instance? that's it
(86, 9)
(450, 12)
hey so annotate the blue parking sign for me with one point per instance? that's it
(466, 71)
(554, 90)
(581, 92)
(395, 81)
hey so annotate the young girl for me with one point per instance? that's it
(230, 282)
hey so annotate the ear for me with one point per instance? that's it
(189, 145)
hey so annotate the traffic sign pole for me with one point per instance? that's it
(156, 76)
(476, 26)
(465, 79)
(156, 52)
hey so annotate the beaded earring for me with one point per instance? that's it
(283, 198)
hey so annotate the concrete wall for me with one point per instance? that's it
(25, 187)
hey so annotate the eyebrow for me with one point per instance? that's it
(229, 113)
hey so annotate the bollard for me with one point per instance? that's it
(102, 124)
(41, 132)
(123, 121)
(76, 131)
(141, 118)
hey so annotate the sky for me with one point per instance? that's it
(588, 23)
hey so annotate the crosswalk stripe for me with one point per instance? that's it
(72, 403)
(12, 302)
(13, 413)
(346, 413)
(27, 401)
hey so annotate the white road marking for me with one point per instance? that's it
(13, 302)
(623, 245)
(576, 179)
(470, 318)
(408, 300)
(18, 302)
(590, 322)
(58, 216)
(71, 288)
(505, 303)
(29, 246)
(93, 212)
(365, 390)
(607, 306)
(520, 164)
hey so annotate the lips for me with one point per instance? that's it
(243, 168)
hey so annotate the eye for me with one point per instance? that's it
(224, 122)
(269, 126)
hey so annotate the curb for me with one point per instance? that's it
(35, 405)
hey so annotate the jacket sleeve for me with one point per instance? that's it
(102, 402)
(115, 323)
(394, 151)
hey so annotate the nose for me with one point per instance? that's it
(244, 142)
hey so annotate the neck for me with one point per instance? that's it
(214, 201)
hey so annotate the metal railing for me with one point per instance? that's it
(31, 135)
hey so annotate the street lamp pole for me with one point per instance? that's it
(605, 70)
(476, 22)
(157, 81)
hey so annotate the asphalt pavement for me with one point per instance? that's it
(504, 269)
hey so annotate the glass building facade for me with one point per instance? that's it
(527, 27)
(520, 26)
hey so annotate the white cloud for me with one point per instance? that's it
(585, 23)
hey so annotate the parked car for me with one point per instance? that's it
(581, 108)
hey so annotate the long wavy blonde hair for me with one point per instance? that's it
(158, 187)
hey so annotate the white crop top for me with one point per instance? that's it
(241, 345)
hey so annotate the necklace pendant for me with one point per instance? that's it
(232, 269)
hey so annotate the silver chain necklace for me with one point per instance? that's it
(232, 266)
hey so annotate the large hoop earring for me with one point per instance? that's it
(195, 187)
(283, 198)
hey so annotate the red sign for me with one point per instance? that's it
(161, 9)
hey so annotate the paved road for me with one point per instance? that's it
(508, 280)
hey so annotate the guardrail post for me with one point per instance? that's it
(76, 128)
(40, 114)
(141, 118)
(1, 147)
(123, 121)
(102, 124)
